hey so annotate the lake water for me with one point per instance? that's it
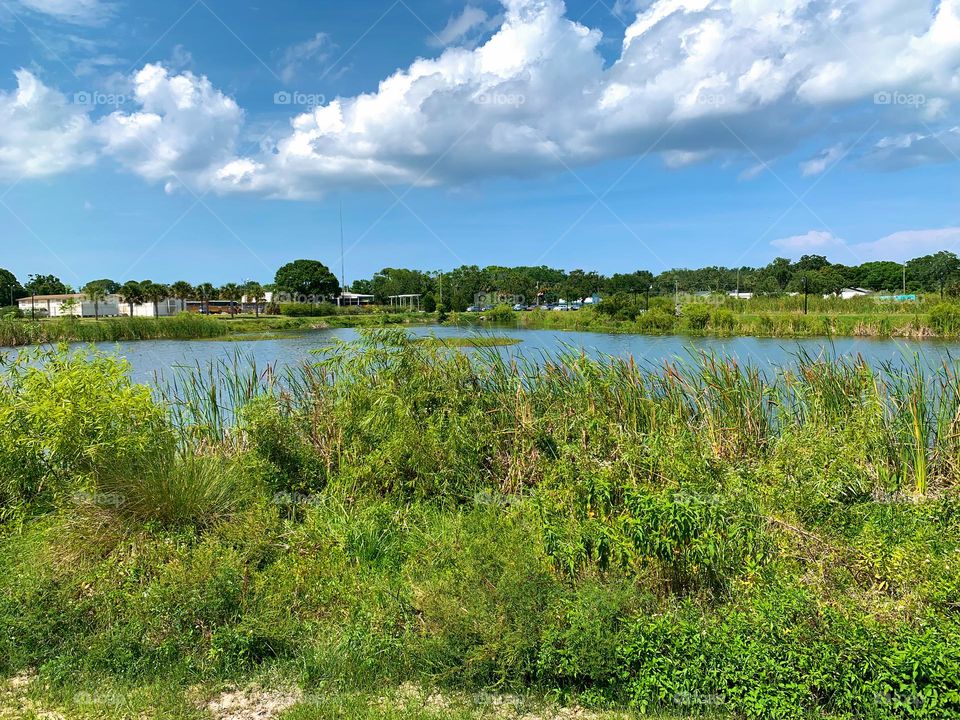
(150, 357)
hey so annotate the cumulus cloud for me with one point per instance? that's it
(695, 80)
(41, 133)
(184, 131)
(899, 246)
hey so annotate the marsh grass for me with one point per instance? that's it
(14, 333)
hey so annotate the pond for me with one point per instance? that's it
(150, 357)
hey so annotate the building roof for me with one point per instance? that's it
(71, 296)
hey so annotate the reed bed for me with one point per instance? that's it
(18, 333)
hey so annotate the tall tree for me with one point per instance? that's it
(205, 292)
(95, 292)
(231, 292)
(131, 293)
(254, 292)
(10, 288)
(45, 285)
(309, 279)
(155, 293)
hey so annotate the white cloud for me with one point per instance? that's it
(815, 242)
(295, 58)
(826, 159)
(185, 128)
(41, 133)
(696, 80)
(79, 12)
(899, 246)
(473, 20)
(916, 148)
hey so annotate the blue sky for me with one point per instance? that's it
(215, 140)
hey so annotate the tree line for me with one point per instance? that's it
(458, 288)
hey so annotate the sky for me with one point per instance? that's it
(215, 140)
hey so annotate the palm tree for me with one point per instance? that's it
(205, 292)
(155, 292)
(183, 291)
(95, 292)
(254, 292)
(131, 293)
(231, 292)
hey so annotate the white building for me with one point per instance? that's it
(79, 305)
(850, 293)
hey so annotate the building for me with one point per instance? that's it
(79, 305)
(850, 293)
(351, 298)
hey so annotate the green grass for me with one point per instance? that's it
(695, 538)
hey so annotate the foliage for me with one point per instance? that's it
(307, 278)
(701, 537)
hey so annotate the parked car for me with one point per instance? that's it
(562, 308)
(519, 307)
(474, 308)
(576, 306)
(486, 308)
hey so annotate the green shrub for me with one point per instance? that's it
(308, 309)
(64, 414)
(656, 320)
(723, 320)
(696, 316)
(500, 314)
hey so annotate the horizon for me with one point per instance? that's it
(210, 141)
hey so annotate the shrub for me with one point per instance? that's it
(723, 320)
(696, 316)
(500, 314)
(308, 309)
(63, 415)
(656, 320)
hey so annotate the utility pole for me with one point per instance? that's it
(343, 274)
(904, 278)
(676, 298)
(647, 306)
(805, 302)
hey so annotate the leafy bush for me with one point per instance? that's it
(696, 316)
(500, 314)
(723, 320)
(656, 320)
(63, 415)
(308, 309)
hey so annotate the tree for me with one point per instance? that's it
(45, 285)
(205, 292)
(254, 292)
(95, 292)
(309, 279)
(935, 271)
(231, 292)
(131, 293)
(10, 288)
(154, 293)
(182, 290)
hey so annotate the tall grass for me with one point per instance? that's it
(16, 333)
(388, 385)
